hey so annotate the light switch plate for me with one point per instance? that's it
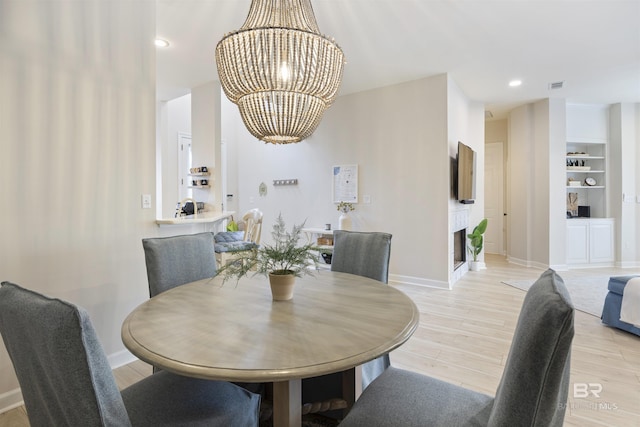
(146, 201)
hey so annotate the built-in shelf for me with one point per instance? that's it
(587, 160)
(199, 185)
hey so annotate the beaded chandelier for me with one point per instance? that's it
(280, 71)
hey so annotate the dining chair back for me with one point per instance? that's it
(176, 260)
(364, 254)
(533, 390)
(66, 380)
(253, 225)
(535, 381)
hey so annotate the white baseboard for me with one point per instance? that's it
(628, 264)
(120, 358)
(11, 399)
(527, 263)
(418, 281)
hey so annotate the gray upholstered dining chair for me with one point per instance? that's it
(364, 254)
(66, 380)
(176, 260)
(533, 390)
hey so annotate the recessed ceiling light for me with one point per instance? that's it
(161, 43)
(515, 83)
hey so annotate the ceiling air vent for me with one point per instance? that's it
(556, 85)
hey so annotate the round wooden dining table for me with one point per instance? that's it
(234, 331)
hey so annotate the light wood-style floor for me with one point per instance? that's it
(464, 338)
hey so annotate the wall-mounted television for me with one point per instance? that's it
(466, 188)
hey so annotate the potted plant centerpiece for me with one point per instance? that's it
(476, 242)
(282, 261)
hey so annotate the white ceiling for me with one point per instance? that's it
(593, 46)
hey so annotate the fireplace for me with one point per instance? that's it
(459, 246)
(458, 225)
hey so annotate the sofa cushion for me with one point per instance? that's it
(228, 236)
(234, 246)
(617, 283)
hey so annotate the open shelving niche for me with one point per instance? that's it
(317, 237)
(200, 175)
(591, 158)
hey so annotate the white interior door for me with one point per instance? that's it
(184, 165)
(494, 198)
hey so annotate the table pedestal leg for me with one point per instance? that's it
(351, 386)
(287, 403)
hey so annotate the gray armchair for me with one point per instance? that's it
(176, 260)
(533, 390)
(66, 380)
(364, 254)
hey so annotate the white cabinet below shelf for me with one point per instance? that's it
(590, 241)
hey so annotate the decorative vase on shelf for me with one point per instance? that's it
(344, 222)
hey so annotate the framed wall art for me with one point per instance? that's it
(345, 183)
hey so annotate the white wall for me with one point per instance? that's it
(206, 124)
(399, 138)
(77, 106)
(536, 194)
(625, 181)
(635, 142)
(520, 176)
(557, 252)
(496, 131)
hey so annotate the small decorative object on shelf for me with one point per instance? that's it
(572, 204)
(200, 171)
(590, 181)
(344, 222)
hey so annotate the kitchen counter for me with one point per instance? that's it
(201, 218)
